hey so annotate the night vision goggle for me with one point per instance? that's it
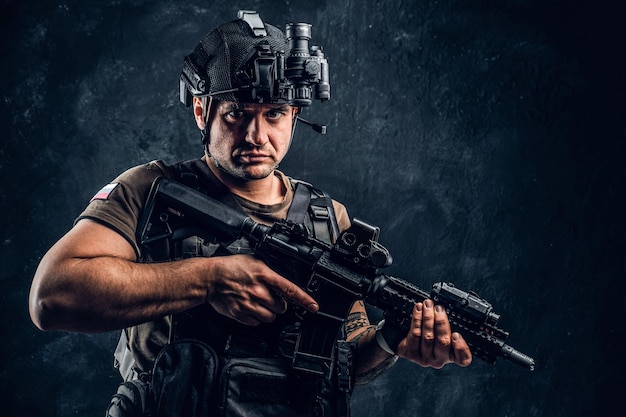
(267, 76)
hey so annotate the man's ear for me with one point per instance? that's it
(198, 112)
(295, 113)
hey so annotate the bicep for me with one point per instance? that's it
(89, 239)
(54, 283)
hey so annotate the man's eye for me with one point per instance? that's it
(235, 114)
(274, 114)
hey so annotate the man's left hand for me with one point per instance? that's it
(430, 341)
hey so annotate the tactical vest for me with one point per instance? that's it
(247, 368)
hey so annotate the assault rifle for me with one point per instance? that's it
(335, 275)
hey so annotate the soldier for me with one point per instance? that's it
(247, 83)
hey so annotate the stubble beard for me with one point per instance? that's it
(241, 172)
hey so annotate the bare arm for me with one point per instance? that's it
(89, 282)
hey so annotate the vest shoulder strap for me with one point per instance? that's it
(321, 218)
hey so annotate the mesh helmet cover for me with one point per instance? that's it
(224, 51)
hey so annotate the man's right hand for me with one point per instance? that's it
(248, 291)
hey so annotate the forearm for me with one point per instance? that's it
(106, 293)
(371, 359)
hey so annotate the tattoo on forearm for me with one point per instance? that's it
(356, 321)
(370, 328)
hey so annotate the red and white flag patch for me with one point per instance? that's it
(104, 193)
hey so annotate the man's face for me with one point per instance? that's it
(248, 141)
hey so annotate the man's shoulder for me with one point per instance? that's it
(295, 181)
(315, 190)
(145, 172)
(148, 172)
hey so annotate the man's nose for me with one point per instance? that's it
(256, 132)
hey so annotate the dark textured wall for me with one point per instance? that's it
(485, 138)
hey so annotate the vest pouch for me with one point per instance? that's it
(183, 380)
(259, 387)
(130, 400)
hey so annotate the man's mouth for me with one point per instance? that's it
(248, 157)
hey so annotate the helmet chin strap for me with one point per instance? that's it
(205, 142)
(207, 110)
(294, 122)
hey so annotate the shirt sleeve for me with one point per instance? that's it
(119, 204)
(341, 213)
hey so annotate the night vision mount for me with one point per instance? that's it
(269, 76)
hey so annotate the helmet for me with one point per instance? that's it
(248, 61)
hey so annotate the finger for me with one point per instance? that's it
(243, 315)
(248, 320)
(263, 315)
(262, 298)
(275, 303)
(292, 292)
(280, 305)
(254, 314)
(415, 330)
(461, 350)
(443, 342)
(269, 299)
(410, 347)
(428, 329)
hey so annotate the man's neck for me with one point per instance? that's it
(267, 191)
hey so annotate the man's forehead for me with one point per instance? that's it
(231, 105)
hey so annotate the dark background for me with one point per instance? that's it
(485, 138)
